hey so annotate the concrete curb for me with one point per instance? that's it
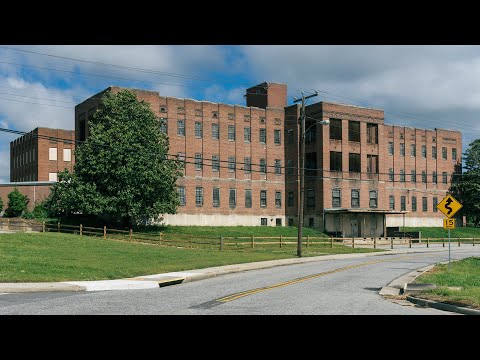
(173, 278)
(443, 306)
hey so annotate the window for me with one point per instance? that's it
(390, 148)
(163, 125)
(231, 132)
(402, 175)
(434, 152)
(413, 150)
(444, 177)
(290, 136)
(390, 174)
(373, 196)
(424, 151)
(277, 134)
(311, 198)
(372, 133)
(435, 203)
(434, 177)
(278, 167)
(67, 155)
(424, 204)
(215, 163)
(181, 127)
(181, 195)
(246, 134)
(231, 164)
(263, 136)
(402, 149)
(354, 162)
(311, 133)
(403, 205)
(198, 129)
(414, 176)
(263, 166)
(335, 129)
(52, 154)
(216, 197)
(354, 131)
(290, 199)
(335, 161)
(444, 153)
(52, 176)
(232, 198)
(391, 201)
(278, 199)
(454, 154)
(424, 176)
(248, 198)
(414, 203)
(263, 221)
(290, 167)
(199, 196)
(336, 198)
(247, 166)
(198, 162)
(263, 198)
(355, 198)
(278, 221)
(215, 132)
(372, 164)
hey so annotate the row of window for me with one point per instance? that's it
(354, 162)
(232, 197)
(215, 132)
(403, 203)
(215, 114)
(413, 176)
(24, 158)
(337, 198)
(413, 151)
(232, 164)
(52, 154)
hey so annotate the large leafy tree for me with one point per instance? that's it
(122, 169)
(466, 186)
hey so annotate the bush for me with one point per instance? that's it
(17, 204)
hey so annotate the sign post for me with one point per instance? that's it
(449, 207)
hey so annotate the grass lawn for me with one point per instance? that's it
(35, 257)
(439, 232)
(464, 273)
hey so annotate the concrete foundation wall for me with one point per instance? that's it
(414, 221)
(220, 220)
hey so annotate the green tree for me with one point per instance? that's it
(17, 203)
(122, 169)
(1, 204)
(465, 186)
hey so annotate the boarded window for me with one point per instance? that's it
(372, 164)
(372, 133)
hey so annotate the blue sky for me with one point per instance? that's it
(421, 86)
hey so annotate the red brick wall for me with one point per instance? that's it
(35, 193)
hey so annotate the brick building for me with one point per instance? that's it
(36, 191)
(39, 155)
(234, 154)
(362, 175)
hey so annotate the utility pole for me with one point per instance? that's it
(301, 168)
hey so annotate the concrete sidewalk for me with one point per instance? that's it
(172, 278)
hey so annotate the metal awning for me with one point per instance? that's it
(362, 211)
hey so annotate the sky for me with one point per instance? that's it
(425, 86)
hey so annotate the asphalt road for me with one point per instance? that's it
(333, 287)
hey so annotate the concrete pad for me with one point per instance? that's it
(389, 291)
(39, 287)
(105, 285)
(414, 288)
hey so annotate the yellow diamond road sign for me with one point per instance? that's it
(449, 206)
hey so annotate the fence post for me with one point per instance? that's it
(331, 242)
(459, 241)
(410, 243)
(427, 242)
(308, 239)
(130, 235)
(391, 246)
(58, 227)
(474, 241)
(280, 241)
(104, 231)
(353, 243)
(43, 226)
(253, 242)
(443, 241)
(374, 243)
(81, 229)
(221, 243)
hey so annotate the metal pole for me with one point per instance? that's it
(448, 249)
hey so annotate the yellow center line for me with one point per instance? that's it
(302, 279)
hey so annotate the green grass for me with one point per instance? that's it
(439, 232)
(38, 257)
(464, 273)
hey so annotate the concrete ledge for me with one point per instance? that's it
(389, 291)
(443, 306)
(39, 287)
